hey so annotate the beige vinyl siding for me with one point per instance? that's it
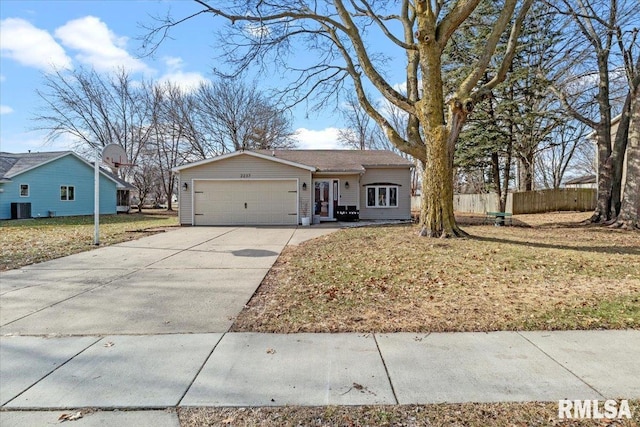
(242, 167)
(399, 176)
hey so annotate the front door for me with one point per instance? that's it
(325, 198)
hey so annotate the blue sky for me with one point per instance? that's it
(103, 34)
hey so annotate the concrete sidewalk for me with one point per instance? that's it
(251, 369)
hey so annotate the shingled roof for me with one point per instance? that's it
(340, 160)
(586, 179)
(12, 164)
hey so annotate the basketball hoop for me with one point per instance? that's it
(114, 156)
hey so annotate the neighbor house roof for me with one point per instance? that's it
(121, 183)
(320, 160)
(587, 179)
(14, 164)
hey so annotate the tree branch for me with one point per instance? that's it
(456, 16)
(512, 45)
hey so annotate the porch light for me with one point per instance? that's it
(304, 186)
(185, 186)
(346, 185)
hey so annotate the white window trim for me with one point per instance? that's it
(388, 187)
(28, 190)
(67, 199)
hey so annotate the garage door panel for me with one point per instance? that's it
(267, 202)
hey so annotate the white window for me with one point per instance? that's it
(24, 190)
(67, 192)
(382, 196)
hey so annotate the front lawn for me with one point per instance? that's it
(553, 275)
(24, 242)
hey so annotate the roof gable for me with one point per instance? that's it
(14, 164)
(259, 155)
(355, 161)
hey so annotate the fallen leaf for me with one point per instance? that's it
(109, 344)
(70, 417)
(271, 351)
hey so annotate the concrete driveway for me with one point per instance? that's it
(188, 280)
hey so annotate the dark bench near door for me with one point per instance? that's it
(347, 213)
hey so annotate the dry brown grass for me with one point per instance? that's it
(25, 242)
(467, 414)
(550, 274)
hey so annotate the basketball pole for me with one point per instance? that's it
(96, 198)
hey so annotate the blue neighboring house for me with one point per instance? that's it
(60, 183)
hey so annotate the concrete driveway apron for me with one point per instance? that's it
(188, 280)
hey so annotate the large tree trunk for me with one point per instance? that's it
(495, 173)
(629, 216)
(525, 172)
(603, 134)
(506, 178)
(620, 145)
(603, 203)
(437, 218)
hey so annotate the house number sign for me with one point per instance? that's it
(245, 175)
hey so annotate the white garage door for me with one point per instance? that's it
(258, 202)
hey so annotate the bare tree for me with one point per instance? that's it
(336, 33)
(145, 176)
(629, 216)
(361, 131)
(596, 29)
(96, 110)
(234, 116)
(171, 129)
(571, 151)
(622, 134)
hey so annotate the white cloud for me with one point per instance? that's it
(97, 45)
(400, 87)
(173, 63)
(257, 30)
(5, 109)
(188, 81)
(31, 46)
(325, 139)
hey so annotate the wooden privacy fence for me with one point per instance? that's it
(479, 203)
(563, 199)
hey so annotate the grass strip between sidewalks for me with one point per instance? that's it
(449, 415)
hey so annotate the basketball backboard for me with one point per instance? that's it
(114, 156)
